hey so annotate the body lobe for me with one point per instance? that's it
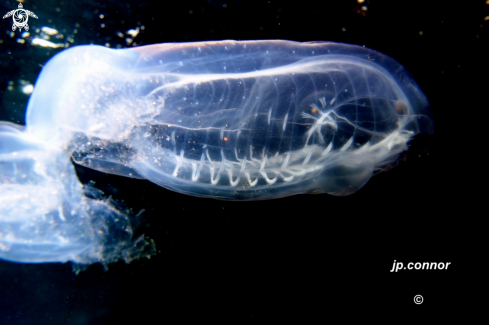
(264, 119)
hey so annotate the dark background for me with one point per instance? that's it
(305, 255)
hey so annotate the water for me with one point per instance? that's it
(274, 248)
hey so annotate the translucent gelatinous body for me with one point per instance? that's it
(227, 120)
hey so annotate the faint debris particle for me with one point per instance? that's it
(361, 8)
(44, 43)
(28, 89)
(133, 32)
(49, 31)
